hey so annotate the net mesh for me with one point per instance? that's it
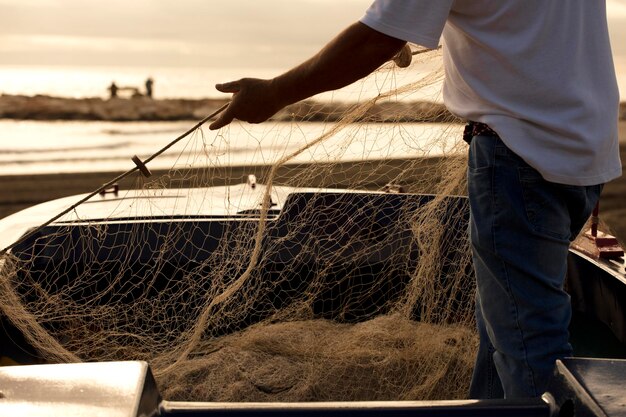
(290, 290)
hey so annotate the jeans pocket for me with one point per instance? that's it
(481, 154)
(546, 210)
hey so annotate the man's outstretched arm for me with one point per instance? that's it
(353, 54)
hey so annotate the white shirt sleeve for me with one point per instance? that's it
(416, 21)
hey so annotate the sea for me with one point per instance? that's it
(42, 147)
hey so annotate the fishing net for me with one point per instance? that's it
(288, 289)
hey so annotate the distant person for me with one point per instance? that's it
(536, 82)
(149, 84)
(113, 90)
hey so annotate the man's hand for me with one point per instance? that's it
(253, 101)
(353, 54)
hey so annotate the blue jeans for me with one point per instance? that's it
(520, 230)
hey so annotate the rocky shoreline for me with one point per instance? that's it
(142, 108)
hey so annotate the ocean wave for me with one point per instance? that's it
(122, 132)
(104, 146)
(88, 158)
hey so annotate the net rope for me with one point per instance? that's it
(341, 296)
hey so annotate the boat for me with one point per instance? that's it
(589, 384)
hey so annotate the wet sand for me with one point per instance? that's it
(19, 192)
(22, 191)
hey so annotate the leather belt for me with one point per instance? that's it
(477, 129)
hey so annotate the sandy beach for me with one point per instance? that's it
(19, 192)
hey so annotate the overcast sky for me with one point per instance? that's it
(224, 33)
(228, 33)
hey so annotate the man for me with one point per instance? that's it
(536, 80)
(149, 85)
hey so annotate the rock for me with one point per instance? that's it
(142, 108)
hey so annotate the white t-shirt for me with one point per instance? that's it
(538, 72)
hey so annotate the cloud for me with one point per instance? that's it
(187, 32)
(60, 43)
(277, 33)
(92, 50)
